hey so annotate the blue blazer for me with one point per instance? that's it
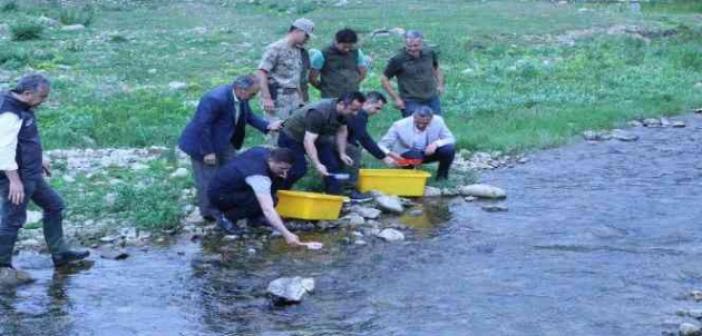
(212, 126)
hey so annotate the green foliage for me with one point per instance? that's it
(82, 15)
(26, 30)
(9, 6)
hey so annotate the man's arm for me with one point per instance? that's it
(392, 70)
(439, 75)
(445, 135)
(311, 150)
(207, 112)
(257, 122)
(10, 126)
(266, 98)
(268, 208)
(389, 139)
(359, 126)
(341, 138)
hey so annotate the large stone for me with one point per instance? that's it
(483, 191)
(391, 235)
(366, 212)
(290, 290)
(73, 27)
(180, 172)
(689, 329)
(390, 203)
(495, 208)
(10, 277)
(652, 122)
(356, 219)
(432, 192)
(113, 254)
(623, 135)
(679, 124)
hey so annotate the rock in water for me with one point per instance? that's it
(114, 254)
(432, 192)
(391, 235)
(366, 212)
(356, 219)
(483, 191)
(623, 135)
(689, 329)
(495, 208)
(290, 290)
(652, 122)
(679, 124)
(10, 277)
(390, 203)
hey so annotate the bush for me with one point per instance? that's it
(9, 6)
(24, 31)
(13, 57)
(70, 16)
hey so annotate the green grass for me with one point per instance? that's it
(25, 31)
(514, 83)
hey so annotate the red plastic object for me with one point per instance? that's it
(408, 162)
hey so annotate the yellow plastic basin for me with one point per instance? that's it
(401, 182)
(307, 205)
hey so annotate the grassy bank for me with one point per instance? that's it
(520, 75)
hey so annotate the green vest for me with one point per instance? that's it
(296, 125)
(416, 80)
(339, 74)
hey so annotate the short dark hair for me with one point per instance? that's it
(349, 97)
(423, 111)
(245, 82)
(346, 35)
(32, 83)
(282, 155)
(375, 96)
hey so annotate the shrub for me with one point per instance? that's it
(24, 31)
(9, 6)
(83, 15)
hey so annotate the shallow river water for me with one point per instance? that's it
(599, 239)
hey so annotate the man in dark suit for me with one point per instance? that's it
(217, 131)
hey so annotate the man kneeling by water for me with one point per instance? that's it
(245, 188)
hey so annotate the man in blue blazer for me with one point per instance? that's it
(217, 131)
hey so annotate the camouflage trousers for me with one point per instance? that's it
(285, 103)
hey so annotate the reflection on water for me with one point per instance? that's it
(599, 240)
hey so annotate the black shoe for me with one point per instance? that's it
(227, 226)
(358, 197)
(63, 258)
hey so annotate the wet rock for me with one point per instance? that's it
(679, 124)
(635, 123)
(290, 290)
(652, 122)
(694, 313)
(180, 172)
(366, 212)
(194, 217)
(356, 219)
(623, 135)
(495, 208)
(359, 242)
(665, 122)
(415, 212)
(10, 277)
(689, 329)
(113, 254)
(176, 86)
(450, 192)
(482, 191)
(390, 204)
(108, 239)
(391, 235)
(591, 135)
(470, 198)
(73, 27)
(432, 192)
(696, 295)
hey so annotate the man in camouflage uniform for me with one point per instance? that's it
(283, 65)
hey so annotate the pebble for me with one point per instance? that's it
(180, 172)
(432, 192)
(483, 191)
(391, 235)
(679, 124)
(495, 208)
(290, 289)
(623, 135)
(689, 329)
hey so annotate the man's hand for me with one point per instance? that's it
(389, 161)
(431, 149)
(268, 104)
(346, 159)
(210, 159)
(399, 103)
(275, 125)
(16, 194)
(322, 169)
(292, 239)
(394, 155)
(46, 166)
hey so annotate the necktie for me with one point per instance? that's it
(239, 126)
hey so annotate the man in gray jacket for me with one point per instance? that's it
(423, 136)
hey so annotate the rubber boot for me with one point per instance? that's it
(60, 253)
(10, 277)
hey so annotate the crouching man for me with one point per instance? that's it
(422, 136)
(21, 159)
(245, 188)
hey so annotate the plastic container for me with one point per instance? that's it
(307, 205)
(401, 182)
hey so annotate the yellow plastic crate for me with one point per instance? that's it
(307, 205)
(401, 182)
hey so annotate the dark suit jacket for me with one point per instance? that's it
(212, 127)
